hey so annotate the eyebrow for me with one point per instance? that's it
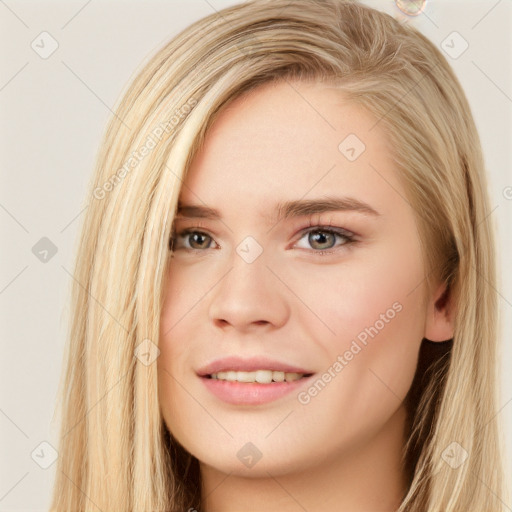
(287, 209)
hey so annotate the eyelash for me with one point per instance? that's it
(312, 227)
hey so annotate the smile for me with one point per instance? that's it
(260, 376)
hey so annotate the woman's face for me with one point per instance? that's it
(253, 292)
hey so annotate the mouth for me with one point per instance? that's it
(258, 376)
(252, 381)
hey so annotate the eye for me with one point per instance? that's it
(197, 240)
(322, 238)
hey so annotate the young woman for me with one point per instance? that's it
(284, 296)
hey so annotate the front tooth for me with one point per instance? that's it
(264, 376)
(231, 376)
(290, 377)
(260, 376)
(278, 376)
(246, 376)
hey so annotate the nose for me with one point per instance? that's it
(249, 297)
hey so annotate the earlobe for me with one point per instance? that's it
(439, 324)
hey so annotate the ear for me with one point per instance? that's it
(439, 323)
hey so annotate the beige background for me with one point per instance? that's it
(53, 113)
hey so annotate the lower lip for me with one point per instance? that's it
(244, 393)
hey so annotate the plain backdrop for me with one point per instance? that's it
(54, 109)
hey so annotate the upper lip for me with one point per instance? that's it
(247, 365)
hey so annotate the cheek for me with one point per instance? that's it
(182, 324)
(183, 296)
(172, 395)
(178, 299)
(375, 310)
(369, 374)
(172, 353)
(376, 290)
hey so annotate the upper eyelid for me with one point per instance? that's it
(312, 222)
(314, 227)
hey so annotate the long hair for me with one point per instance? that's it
(115, 452)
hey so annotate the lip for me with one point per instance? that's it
(248, 365)
(245, 393)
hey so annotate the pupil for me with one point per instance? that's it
(195, 237)
(319, 237)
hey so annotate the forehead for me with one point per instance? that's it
(285, 141)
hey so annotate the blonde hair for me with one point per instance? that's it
(115, 451)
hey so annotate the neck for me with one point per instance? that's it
(369, 478)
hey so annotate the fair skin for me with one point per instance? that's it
(341, 449)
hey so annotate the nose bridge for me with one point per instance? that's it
(248, 293)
